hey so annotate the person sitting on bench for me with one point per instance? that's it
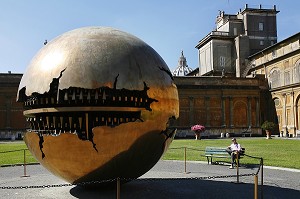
(234, 150)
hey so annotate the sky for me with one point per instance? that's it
(168, 26)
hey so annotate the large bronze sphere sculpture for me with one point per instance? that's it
(99, 102)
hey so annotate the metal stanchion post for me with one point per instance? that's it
(25, 164)
(255, 187)
(237, 167)
(118, 188)
(262, 178)
(185, 161)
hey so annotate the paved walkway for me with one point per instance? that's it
(166, 180)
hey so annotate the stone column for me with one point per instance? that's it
(249, 109)
(8, 111)
(191, 110)
(230, 111)
(297, 115)
(293, 117)
(284, 112)
(207, 110)
(224, 111)
(257, 108)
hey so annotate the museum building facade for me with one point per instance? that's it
(12, 121)
(280, 64)
(244, 78)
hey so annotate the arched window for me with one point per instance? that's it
(297, 72)
(277, 102)
(274, 78)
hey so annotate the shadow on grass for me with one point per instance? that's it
(183, 188)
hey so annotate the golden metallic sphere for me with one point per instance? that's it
(99, 103)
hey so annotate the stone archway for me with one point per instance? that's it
(277, 111)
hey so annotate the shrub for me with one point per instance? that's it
(268, 125)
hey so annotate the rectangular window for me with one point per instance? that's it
(287, 78)
(222, 61)
(261, 42)
(297, 73)
(260, 26)
(234, 31)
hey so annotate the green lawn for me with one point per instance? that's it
(13, 153)
(275, 152)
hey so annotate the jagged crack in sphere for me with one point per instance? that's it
(99, 103)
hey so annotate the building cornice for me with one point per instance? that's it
(214, 35)
(281, 88)
(274, 60)
(213, 82)
(274, 46)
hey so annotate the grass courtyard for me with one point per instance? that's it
(275, 152)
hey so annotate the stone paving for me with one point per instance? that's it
(166, 180)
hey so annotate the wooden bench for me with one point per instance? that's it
(247, 132)
(219, 152)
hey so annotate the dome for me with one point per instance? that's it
(182, 67)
